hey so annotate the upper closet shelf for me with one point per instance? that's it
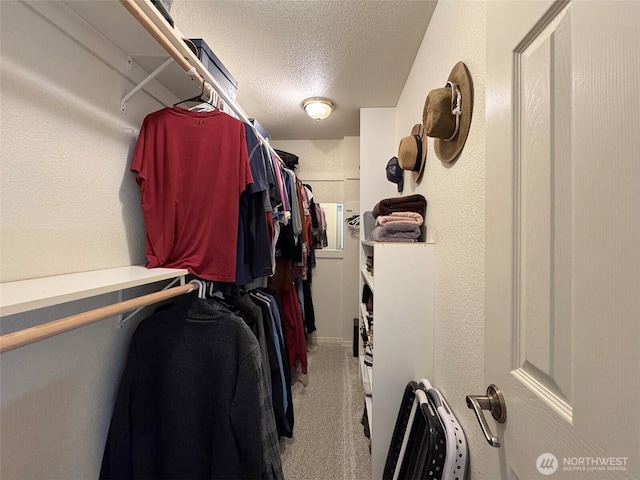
(367, 277)
(137, 28)
(118, 23)
(25, 295)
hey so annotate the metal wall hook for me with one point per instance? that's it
(494, 402)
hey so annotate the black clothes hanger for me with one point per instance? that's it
(214, 294)
(198, 98)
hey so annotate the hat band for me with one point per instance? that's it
(456, 107)
(418, 165)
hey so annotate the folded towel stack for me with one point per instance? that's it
(399, 219)
(411, 203)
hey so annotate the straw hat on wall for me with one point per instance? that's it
(447, 113)
(412, 152)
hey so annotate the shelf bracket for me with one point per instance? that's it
(151, 76)
(124, 320)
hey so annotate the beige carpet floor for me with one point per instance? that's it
(328, 441)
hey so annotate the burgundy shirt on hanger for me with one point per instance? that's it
(192, 168)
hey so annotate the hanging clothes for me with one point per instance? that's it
(288, 246)
(320, 235)
(312, 223)
(279, 361)
(193, 401)
(294, 256)
(275, 193)
(206, 391)
(252, 315)
(253, 257)
(285, 206)
(292, 191)
(294, 328)
(192, 168)
(300, 266)
(308, 310)
(314, 214)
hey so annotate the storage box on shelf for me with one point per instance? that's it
(260, 128)
(215, 67)
(143, 47)
(403, 313)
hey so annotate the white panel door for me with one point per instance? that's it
(563, 237)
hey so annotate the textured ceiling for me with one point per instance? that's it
(356, 53)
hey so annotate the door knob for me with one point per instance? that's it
(494, 402)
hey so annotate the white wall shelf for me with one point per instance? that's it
(367, 278)
(368, 402)
(373, 243)
(363, 315)
(403, 312)
(366, 374)
(24, 295)
(113, 21)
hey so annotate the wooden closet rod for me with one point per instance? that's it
(173, 51)
(20, 338)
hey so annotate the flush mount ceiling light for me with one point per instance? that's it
(318, 108)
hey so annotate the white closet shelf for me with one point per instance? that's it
(24, 295)
(371, 243)
(116, 24)
(367, 373)
(363, 315)
(367, 278)
(137, 28)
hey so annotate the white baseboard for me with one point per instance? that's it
(329, 341)
(334, 341)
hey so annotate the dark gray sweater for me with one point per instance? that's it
(193, 400)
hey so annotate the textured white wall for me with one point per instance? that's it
(377, 147)
(69, 203)
(324, 164)
(456, 211)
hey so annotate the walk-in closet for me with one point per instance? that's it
(319, 239)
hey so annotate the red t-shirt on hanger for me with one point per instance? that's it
(192, 168)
